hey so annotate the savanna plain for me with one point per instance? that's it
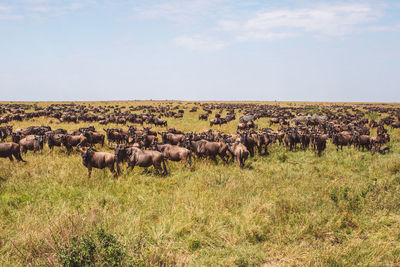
(287, 208)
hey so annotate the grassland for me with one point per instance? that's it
(288, 208)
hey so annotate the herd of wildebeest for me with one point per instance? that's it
(299, 127)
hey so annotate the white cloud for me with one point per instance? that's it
(198, 42)
(40, 8)
(7, 14)
(178, 10)
(277, 24)
(268, 36)
(323, 20)
(5, 8)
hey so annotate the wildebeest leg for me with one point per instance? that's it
(185, 162)
(111, 167)
(131, 165)
(157, 167)
(164, 168)
(238, 160)
(89, 171)
(11, 157)
(266, 150)
(223, 158)
(190, 159)
(213, 157)
(251, 150)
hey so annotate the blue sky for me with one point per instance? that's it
(200, 50)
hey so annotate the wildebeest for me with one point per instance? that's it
(238, 152)
(218, 121)
(395, 124)
(143, 158)
(251, 140)
(54, 139)
(115, 135)
(31, 142)
(70, 141)
(319, 142)
(173, 139)
(363, 141)
(159, 122)
(203, 116)
(8, 150)
(291, 138)
(204, 148)
(342, 139)
(95, 159)
(246, 125)
(5, 131)
(94, 137)
(174, 153)
(266, 138)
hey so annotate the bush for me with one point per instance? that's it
(91, 249)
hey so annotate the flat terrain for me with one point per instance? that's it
(287, 208)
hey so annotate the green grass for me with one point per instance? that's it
(289, 208)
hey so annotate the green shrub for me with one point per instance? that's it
(91, 249)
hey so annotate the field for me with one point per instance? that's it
(287, 208)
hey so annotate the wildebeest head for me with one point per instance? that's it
(243, 137)
(86, 155)
(16, 137)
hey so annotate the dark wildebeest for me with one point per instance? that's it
(174, 153)
(395, 124)
(94, 137)
(54, 139)
(203, 116)
(160, 122)
(94, 159)
(113, 135)
(291, 139)
(363, 141)
(8, 150)
(380, 139)
(342, 139)
(173, 139)
(319, 142)
(4, 132)
(246, 125)
(239, 152)
(266, 138)
(204, 148)
(143, 158)
(70, 141)
(147, 140)
(251, 140)
(31, 142)
(218, 121)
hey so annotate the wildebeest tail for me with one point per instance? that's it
(241, 158)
